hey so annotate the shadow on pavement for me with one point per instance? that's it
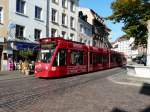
(118, 110)
(145, 89)
(146, 110)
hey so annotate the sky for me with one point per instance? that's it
(103, 8)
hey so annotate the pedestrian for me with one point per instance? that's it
(144, 60)
(25, 67)
(20, 65)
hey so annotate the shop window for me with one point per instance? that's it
(5, 56)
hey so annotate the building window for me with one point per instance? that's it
(81, 28)
(19, 31)
(63, 34)
(72, 22)
(64, 3)
(72, 6)
(38, 12)
(55, 1)
(53, 32)
(1, 15)
(64, 19)
(37, 34)
(71, 36)
(54, 15)
(20, 6)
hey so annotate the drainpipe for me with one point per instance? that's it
(47, 18)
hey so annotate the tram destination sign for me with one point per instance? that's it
(48, 45)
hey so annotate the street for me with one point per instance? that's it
(91, 92)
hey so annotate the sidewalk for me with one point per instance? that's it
(124, 78)
(8, 75)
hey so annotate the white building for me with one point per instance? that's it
(126, 46)
(84, 30)
(100, 31)
(29, 18)
(23, 21)
(63, 19)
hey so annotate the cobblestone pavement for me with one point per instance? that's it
(84, 93)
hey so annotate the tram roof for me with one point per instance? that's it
(75, 44)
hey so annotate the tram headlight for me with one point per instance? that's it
(46, 67)
(53, 68)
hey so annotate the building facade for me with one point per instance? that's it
(100, 31)
(126, 46)
(84, 30)
(24, 21)
(4, 19)
(63, 19)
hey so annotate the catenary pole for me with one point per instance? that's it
(47, 18)
(148, 43)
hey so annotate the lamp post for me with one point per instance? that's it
(148, 43)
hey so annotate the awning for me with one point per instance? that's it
(26, 46)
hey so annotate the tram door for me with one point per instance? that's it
(60, 62)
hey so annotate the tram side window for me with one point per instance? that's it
(80, 59)
(99, 58)
(118, 59)
(105, 59)
(95, 58)
(60, 59)
(113, 58)
(91, 58)
(77, 58)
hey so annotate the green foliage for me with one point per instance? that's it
(134, 14)
(25, 53)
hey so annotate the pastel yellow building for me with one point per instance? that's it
(4, 19)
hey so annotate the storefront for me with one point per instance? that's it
(1, 51)
(21, 51)
(24, 51)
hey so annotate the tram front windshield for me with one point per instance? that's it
(46, 52)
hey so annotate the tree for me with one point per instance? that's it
(134, 14)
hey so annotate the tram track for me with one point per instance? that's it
(38, 89)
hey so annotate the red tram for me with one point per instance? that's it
(59, 57)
